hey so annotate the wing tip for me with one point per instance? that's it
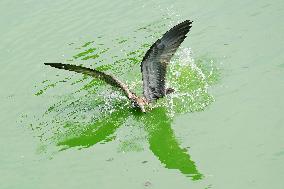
(55, 65)
(187, 24)
(50, 63)
(182, 28)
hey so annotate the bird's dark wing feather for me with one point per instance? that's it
(94, 73)
(154, 63)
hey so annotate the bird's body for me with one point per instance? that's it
(153, 68)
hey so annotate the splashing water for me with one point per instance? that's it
(190, 84)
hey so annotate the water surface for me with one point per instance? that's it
(222, 129)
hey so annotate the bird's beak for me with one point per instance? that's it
(143, 109)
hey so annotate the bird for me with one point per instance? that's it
(153, 67)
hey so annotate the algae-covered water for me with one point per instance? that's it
(222, 128)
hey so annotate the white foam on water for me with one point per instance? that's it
(181, 101)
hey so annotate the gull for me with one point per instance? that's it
(153, 68)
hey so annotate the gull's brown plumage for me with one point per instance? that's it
(156, 59)
(153, 67)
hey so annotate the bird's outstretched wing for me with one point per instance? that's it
(96, 74)
(154, 63)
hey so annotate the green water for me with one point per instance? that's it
(223, 127)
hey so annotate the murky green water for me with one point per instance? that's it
(223, 128)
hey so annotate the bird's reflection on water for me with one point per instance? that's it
(164, 145)
(100, 131)
(160, 136)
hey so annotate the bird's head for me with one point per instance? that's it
(141, 102)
